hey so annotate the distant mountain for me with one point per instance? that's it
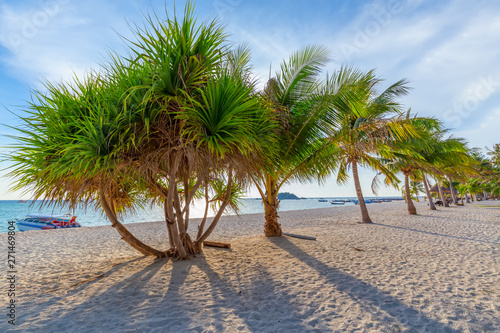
(287, 196)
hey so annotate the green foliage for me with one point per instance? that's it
(302, 104)
(368, 121)
(495, 155)
(180, 105)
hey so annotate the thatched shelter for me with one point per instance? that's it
(446, 190)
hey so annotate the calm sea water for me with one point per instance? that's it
(10, 209)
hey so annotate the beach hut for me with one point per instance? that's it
(446, 190)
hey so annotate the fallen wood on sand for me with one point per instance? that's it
(217, 244)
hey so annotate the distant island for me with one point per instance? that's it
(287, 196)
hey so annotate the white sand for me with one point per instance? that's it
(435, 272)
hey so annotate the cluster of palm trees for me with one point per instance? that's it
(449, 161)
(181, 118)
(484, 183)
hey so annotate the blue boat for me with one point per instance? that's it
(367, 201)
(46, 222)
(337, 202)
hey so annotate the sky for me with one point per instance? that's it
(448, 50)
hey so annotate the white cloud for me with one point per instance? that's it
(446, 49)
(56, 38)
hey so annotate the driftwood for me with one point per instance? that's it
(217, 244)
(299, 236)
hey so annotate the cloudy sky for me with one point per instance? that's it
(449, 50)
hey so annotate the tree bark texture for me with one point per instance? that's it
(452, 191)
(441, 195)
(126, 235)
(272, 228)
(409, 202)
(428, 193)
(365, 218)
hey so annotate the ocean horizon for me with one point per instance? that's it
(18, 209)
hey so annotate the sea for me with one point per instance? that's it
(13, 209)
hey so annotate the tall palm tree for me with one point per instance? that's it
(368, 122)
(443, 157)
(425, 181)
(302, 104)
(416, 187)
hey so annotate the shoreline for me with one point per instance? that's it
(90, 217)
(437, 271)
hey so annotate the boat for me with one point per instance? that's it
(22, 201)
(366, 201)
(337, 202)
(322, 200)
(46, 222)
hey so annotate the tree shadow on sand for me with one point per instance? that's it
(75, 288)
(165, 305)
(95, 312)
(261, 305)
(392, 309)
(436, 234)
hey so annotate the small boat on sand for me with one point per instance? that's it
(46, 222)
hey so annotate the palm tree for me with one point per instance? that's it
(302, 104)
(432, 206)
(474, 186)
(494, 189)
(179, 116)
(368, 122)
(443, 158)
(416, 187)
(463, 189)
(495, 155)
(66, 148)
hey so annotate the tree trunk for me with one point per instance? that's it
(217, 217)
(452, 191)
(428, 193)
(409, 202)
(173, 233)
(271, 203)
(441, 195)
(170, 216)
(201, 227)
(365, 218)
(126, 235)
(467, 200)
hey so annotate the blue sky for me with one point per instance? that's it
(449, 50)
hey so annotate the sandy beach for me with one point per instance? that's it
(435, 272)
